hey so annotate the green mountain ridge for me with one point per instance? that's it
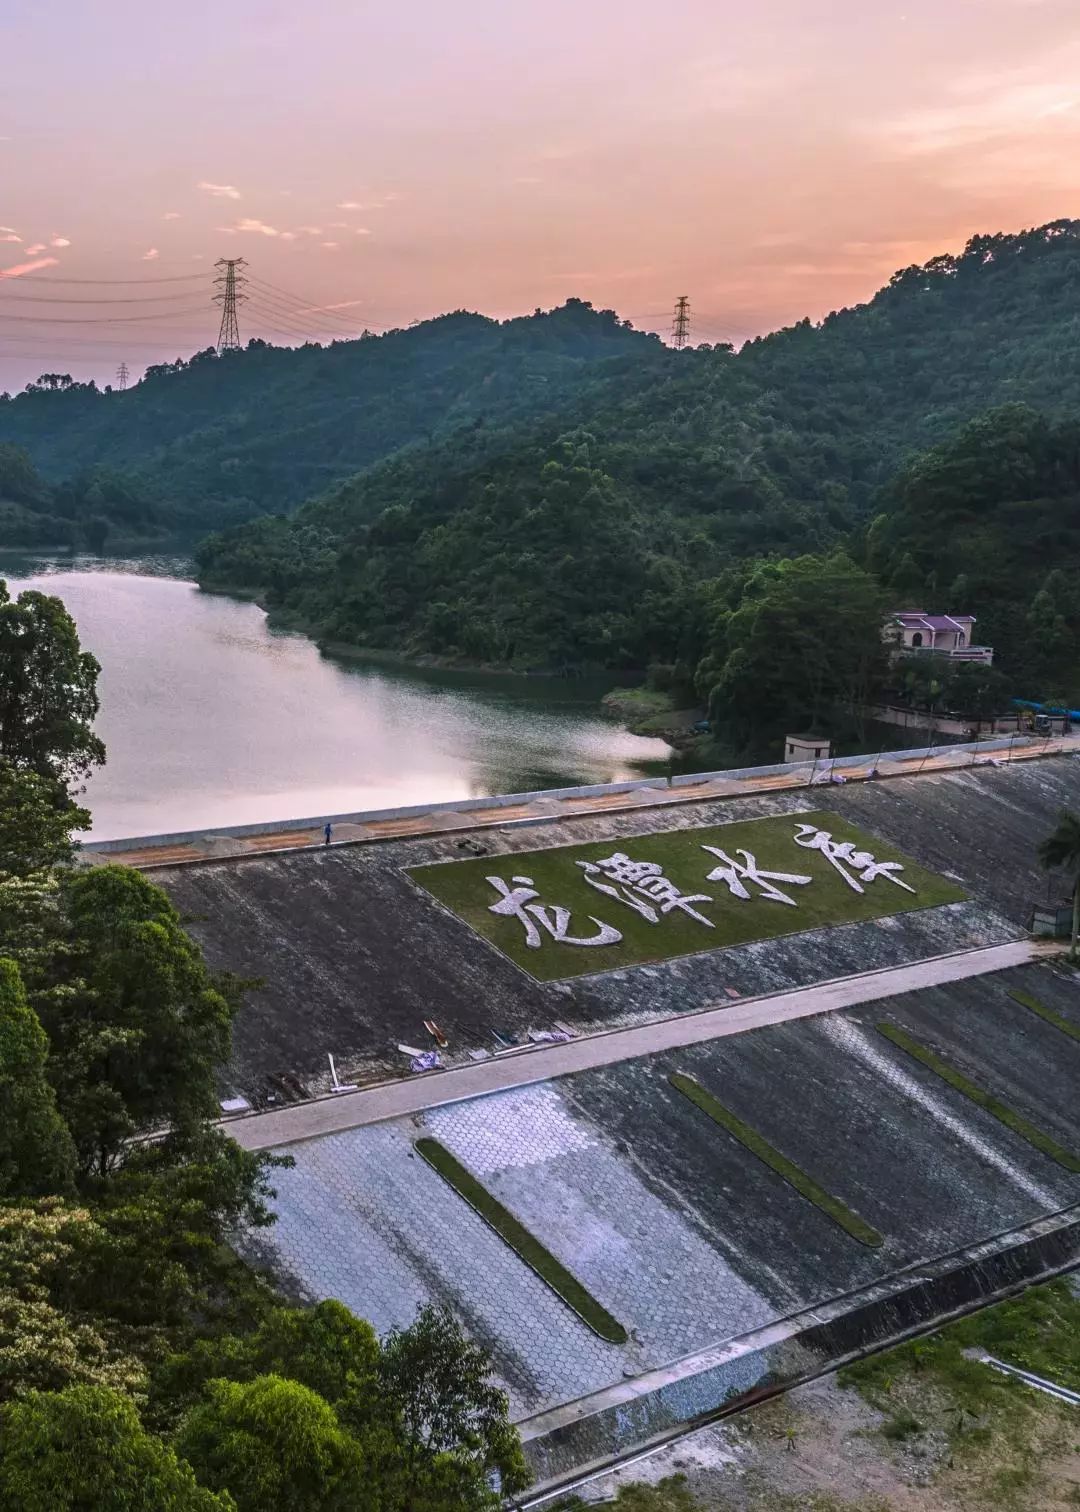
(218, 439)
(591, 537)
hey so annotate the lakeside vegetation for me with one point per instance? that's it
(654, 521)
(144, 1365)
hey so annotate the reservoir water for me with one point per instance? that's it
(211, 718)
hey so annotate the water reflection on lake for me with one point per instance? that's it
(210, 718)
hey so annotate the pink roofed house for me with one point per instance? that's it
(913, 631)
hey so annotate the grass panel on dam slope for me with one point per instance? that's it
(569, 910)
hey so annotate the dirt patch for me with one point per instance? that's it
(824, 1449)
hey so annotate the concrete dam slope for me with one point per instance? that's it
(646, 1241)
(355, 956)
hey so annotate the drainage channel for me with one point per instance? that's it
(570, 1455)
(627, 1462)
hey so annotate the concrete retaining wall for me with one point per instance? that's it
(580, 1436)
(512, 800)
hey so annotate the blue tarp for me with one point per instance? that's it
(1027, 703)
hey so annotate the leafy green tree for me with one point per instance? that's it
(277, 1444)
(82, 1448)
(37, 1156)
(19, 479)
(324, 1347)
(48, 689)
(136, 1023)
(1061, 851)
(46, 1341)
(978, 691)
(160, 1254)
(452, 1422)
(803, 649)
(37, 819)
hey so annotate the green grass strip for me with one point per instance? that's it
(980, 1097)
(805, 1185)
(529, 1249)
(1027, 1001)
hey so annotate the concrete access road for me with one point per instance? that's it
(519, 1068)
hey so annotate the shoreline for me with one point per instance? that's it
(424, 661)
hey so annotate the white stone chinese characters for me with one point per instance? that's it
(518, 902)
(642, 886)
(735, 874)
(855, 866)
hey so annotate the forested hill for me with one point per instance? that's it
(217, 439)
(590, 537)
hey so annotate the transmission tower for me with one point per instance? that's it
(680, 330)
(230, 282)
(122, 376)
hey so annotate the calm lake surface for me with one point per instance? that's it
(210, 718)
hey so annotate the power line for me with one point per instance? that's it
(231, 285)
(268, 306)
(300, 306)
(265, 322)
(102, 319)
(295, 325)
(34, 278)
(109, 299)
(93, 344)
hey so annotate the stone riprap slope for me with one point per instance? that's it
(682, 1232)
(355, 956)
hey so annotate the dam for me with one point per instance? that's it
(820, 1091)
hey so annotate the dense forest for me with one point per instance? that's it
(217, 439)
(145, 1366)
(626, 531)
(562, 493)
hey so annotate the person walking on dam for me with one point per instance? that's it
(327, 832)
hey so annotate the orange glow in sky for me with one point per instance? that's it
(382, 162)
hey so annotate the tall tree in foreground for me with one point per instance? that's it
(137, 1023)
(451, 1421)
(803, 647)
(48, 689)
(1061, 851)
(36, 1153)
(273, 1443)
(36, 821)
(69, 1451)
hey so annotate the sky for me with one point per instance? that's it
(377, 162)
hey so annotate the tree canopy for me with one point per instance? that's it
(600, 533)
(85, 1447)
(214, 439)
(48, 689)
(37, 1154)
(145, 1366)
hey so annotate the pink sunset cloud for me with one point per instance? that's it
(19, 269)
(773, 161)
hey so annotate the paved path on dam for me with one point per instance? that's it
(186, 849)
(397, 1099)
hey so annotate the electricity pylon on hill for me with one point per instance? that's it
(230, 282)
(680, 330)
(122, 376)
